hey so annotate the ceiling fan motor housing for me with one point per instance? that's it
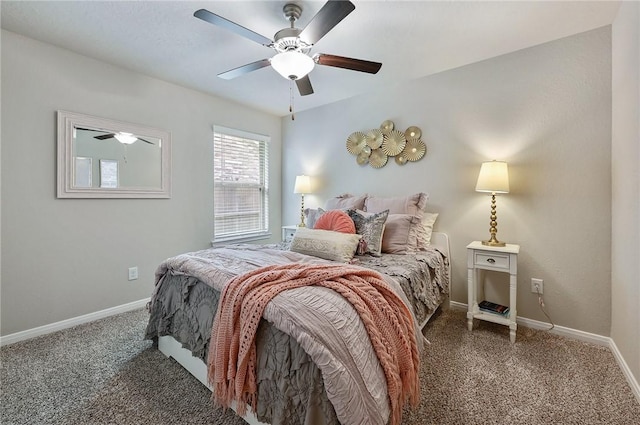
(287, 40)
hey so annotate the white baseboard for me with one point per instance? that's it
(68, 323)
(581, 336)
(633, 382)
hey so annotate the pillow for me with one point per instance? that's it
(312, 215)
(425, 229)
(371, 227)
(345, 201)
(400, 234)
(325, 244)
(336, 220)
(412, 204)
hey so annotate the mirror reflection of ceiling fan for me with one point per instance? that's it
(121, 136)
(292, 45)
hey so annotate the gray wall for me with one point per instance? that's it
(547, 111)
(63, 258)
(625, 276)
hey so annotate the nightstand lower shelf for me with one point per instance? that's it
(491, 317)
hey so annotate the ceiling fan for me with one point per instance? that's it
(292, 45)
(121, 136)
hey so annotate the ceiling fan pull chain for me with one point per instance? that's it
(291, 100)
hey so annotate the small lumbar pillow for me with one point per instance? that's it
(336, 220)
(325, 244)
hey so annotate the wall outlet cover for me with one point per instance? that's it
(133, 273)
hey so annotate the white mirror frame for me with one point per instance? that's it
(67, 121)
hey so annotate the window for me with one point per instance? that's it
(241, 185)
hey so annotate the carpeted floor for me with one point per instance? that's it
(104, 373)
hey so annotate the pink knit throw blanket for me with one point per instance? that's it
(389, 323)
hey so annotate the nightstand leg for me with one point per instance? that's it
(513, 311)
(471, 297)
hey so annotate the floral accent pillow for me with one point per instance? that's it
(371, 227)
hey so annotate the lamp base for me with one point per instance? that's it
(493, 243)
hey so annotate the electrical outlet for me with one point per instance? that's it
(537, 286)
(133, 273)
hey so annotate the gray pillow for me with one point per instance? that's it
(371, 227)
(312, 215)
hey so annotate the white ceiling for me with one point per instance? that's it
(412, 39)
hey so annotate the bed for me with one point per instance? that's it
(301, 378)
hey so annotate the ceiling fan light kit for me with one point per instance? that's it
(292, 45)
(125, 138)
(292, 65)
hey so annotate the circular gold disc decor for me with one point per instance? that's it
(363, 158)
(355, 142)
(401, 159)
(366, 150)
(413, 133)
(378, 159)
(414, 150)
(386, 126)
(393, 143)
(374, 138)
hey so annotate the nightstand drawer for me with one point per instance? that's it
(288, 232)
(487, 259)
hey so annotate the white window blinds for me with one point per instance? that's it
(241, 184)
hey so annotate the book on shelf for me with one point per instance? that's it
(490, 307)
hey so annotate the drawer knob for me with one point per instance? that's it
(490, 260)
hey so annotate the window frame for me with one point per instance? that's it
(265, 142)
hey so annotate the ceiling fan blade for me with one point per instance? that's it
(347, 63)
(244, 69)
(104, 136)
(214, 19)
(304, 86)
(146, 141)
(327, 17)
(88, 129)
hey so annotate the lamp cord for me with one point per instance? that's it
(541, 303)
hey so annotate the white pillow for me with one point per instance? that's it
(425, 230)
(325, 244)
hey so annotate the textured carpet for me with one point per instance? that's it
(104, 373)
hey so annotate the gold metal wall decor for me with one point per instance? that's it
(375, 146)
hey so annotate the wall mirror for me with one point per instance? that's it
(102, 158)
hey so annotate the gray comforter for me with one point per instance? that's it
(291, 387)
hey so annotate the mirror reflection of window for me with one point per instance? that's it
(108, 173)
(83, 168)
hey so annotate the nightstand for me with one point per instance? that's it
(498, 259)
(288, 232)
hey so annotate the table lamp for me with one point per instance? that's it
(302, 186)
(493, 178)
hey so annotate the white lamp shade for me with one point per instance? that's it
(126, 138)
(493, 177)
(303, 185)
(292, 65)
